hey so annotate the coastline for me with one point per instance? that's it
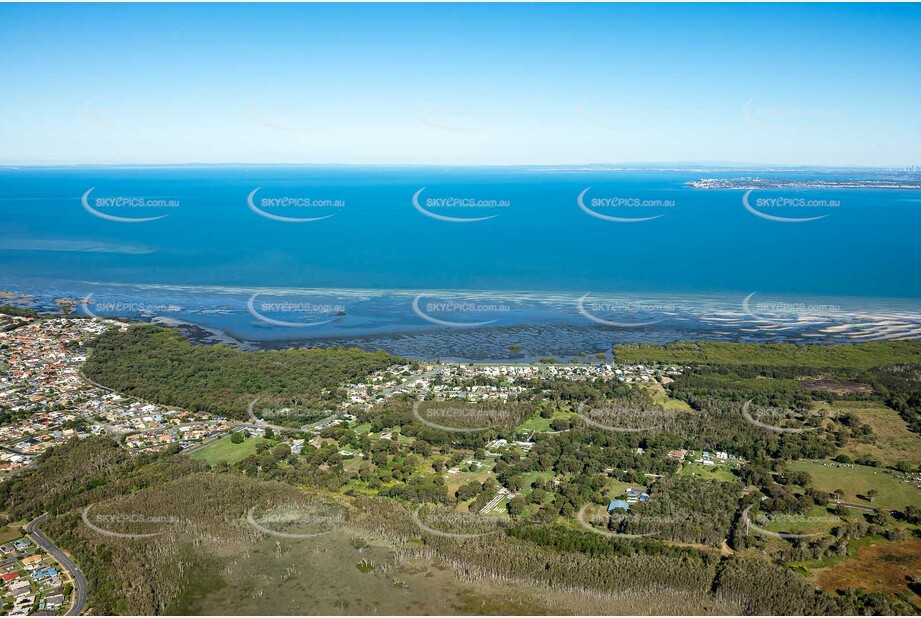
(533, 326)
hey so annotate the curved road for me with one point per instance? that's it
(80, 587)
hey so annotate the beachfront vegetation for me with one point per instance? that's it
(157, 364)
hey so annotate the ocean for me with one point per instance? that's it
(464, 263)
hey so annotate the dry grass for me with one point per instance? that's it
(882, 567)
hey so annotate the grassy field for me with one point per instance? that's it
(454, 481)
(893, 442)
(9, 533)
(618, 489)
(530, 477)
(709, 473)
(227, 451)
(816, 519)
(661, 398)
(856, 481)
(538, 424)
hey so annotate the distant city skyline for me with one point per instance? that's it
(447, 84)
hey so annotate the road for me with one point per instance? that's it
(80, 586)
(851, 505)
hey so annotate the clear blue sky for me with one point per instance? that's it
(461, 84)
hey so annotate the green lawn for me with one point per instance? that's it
(816, 519)
(856, 481)
(530, 477)
(618, 489)
(227, 451)
(538, 424)
(710, 473)
(9, 533)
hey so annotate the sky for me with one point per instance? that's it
(460, 84)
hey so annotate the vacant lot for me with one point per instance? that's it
(856, 481)
(226, 451)
(893, 441)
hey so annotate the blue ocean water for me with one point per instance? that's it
(374, 238)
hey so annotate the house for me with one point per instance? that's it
(49, 572)
(21, 544)
(635, 494)
(54, 601)
(618, 504)
(31, 560)
(20, 588)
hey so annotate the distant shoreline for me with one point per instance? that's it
(796, 183)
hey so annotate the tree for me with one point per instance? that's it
(872, 494)
(236, 437)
